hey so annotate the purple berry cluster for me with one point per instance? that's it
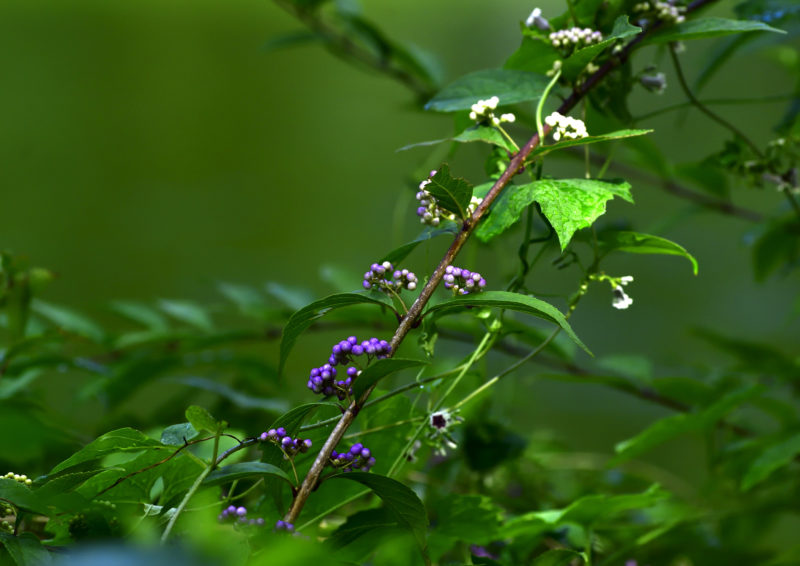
(284, 526)
(463, 281)
(289, 445)
(358, 457)
(239, 515)
(378, 278)
(323, 379)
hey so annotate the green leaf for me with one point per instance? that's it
(569, 205)
(535, 54)
(513, 301)
(142, 314)
(247, 299)
(557, 557)
(380, 369)
(22, 496)
(178, 434)
(121, 440)
(399, 254)
(564, 143)
(306, 316)
(778, 246)
(69, 320)
(451, 193)
(675, 425)
(25, 549)
(371, 523)
(187, 312)
(486, 134)
(771, 459)
(638, 243)
(10, 386)
(244, 470)
(470, 518)
(576, 63)
(399, 499)
(708, 27)
(509, 85)
(201, 419)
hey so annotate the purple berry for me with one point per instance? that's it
(241, 511)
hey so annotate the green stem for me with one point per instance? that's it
(192, 490)
(540, 106)
(381, 428)
(508, 138)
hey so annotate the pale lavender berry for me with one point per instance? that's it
(241, 511)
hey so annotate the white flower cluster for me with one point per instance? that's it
(536, 19)
(566, 127)
(482, 110)
(574, 36)
(429, 212)
(621, 300)
(666, 11)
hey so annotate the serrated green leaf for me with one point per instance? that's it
(638, 243)
(187, 312)
(399, 499)
(506, 211)
(701, 28)
(513, 301)
(675, 425)
(201, 419)
(69, 320)
(451, 193)
(306, 316)
(771, 459)
(509, 85)
(380, 369)
(402, 252)
(245, 470)
(121, 440)
(25, 549)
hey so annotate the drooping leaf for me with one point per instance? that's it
(248, 300)
(238, 398)
(244, 470)
(675, 425)
(142, 314)
(399, 254)
(201, 419)
(399, 499)
(25, 549)
(565, 143)
(771, 459)
(509, 85)
(513, 301)
(485, 134)
(451, 193)
(187, 312)
(306, 316)
(778, 246)
(121, 440)
(380, 369)
(700, 28)
(638, 243)
(69, 320)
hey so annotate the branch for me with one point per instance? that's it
(410, 319)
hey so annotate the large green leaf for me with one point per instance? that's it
(306, 316)
(380, 369)
(244, 470)
(451, 193)
(535, 54)
(638, 243)
(771, 459)
(399, 499)
(512, 301)
(708, 27)
(121, 440)
(675, 425)
(510, 86)
(569, 205)
(25, 549)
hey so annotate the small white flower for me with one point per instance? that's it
(621, 299)
(510, 118)
(626, 279)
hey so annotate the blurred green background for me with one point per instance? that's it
(153, 149)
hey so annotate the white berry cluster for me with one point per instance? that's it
(575, 36)
(621, 300)
(429, 211)
(566, 127)
(21, 478)
(666, 11)
(483, 110)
